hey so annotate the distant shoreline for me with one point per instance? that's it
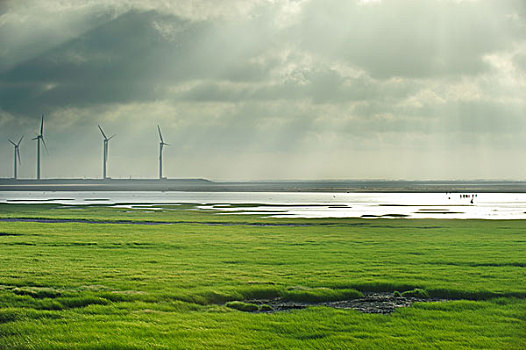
(203, 185)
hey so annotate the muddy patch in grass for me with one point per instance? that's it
(371, 303)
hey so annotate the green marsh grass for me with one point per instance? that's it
(242, 306)
(127, 286)
(416, 293)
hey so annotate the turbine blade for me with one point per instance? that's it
(44, 143)
(160, 135)
(112, 136)
(14, 144)
(18, 144)
(42, 126)
(103, 134)
(18, 154)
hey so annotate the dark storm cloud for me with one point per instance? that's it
(133, 57)
(115, 62)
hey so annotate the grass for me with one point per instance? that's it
(416, 293)
(242, 306)
(125, 286)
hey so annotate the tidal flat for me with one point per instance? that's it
(94, 278)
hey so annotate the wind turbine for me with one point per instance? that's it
(105, 152)
(40, 138)
(17, 155)
(161, 146)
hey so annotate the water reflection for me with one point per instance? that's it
(306, 205)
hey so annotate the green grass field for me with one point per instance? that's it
(127, 286)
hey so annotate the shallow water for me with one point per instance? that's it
(306, 205)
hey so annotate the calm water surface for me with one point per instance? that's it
(306, 205)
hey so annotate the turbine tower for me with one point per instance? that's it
(161, 146)
(105, 152)
(39, 139)
(17, 155)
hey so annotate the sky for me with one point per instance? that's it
(266, 89)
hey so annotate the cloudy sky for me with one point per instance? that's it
(267, 89)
